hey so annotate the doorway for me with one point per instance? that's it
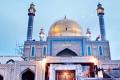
(1, 77)
(65, 75)
(28, 75)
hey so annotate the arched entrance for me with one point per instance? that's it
(66, 53)
(65, 75)
(28, 75)
(1, 77)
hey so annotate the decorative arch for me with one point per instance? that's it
(10, 61)
(66, 53)
(1, 77)
(28, 75)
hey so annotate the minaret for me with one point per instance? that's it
(100, 13)
(31, 14)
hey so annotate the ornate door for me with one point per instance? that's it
(65, 75)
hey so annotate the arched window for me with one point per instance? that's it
(28, 75)
(89, 51)
(1, 77)
(44, 51)
(33, 51)
(100, 51)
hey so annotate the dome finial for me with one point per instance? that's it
(32, 5)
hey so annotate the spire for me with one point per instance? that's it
(31, 14)
(100, 13)
(42, 34)
(88, 33)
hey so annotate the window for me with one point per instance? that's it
(66, 28)
(89, 51)
(33, 51)
(44, 51)
(100, 51)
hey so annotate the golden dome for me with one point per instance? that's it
(65, 27)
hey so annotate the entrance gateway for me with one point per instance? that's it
(73, 67)
(64, 71)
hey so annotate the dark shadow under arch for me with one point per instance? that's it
(66, 53)
(28, 75)
(1, 77)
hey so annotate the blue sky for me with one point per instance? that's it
(14, 20)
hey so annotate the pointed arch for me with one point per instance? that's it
(1, 77)
(66, 53)
(28, 75)
(10, 61)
